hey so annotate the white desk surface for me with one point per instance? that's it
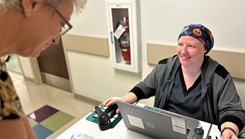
(205, 126)
(214, 132)
(119, 131)
(91, 129)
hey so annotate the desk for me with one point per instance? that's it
(89, 128)
(119, 131)
(214, 132)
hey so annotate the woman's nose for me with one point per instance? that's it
(184, 50)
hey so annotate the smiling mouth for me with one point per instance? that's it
(184, 56)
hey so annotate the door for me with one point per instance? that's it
(53, 67)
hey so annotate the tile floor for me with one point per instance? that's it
(47, 120)
(55, 103)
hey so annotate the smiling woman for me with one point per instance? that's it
(27, 28)
(191, 83)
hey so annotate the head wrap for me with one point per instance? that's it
(201, 33)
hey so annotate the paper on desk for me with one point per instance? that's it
(205, 127)
(214, 132)
(82, 136)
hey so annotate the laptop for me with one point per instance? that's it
(155, 122)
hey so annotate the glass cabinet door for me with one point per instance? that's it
(123, 36)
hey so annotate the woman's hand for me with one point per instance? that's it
(228, 134)
(128, 98)
(110, 101)
(229, 131)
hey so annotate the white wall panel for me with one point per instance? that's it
(94, 77)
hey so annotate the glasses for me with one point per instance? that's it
(65, 27)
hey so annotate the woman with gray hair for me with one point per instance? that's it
(27, 28)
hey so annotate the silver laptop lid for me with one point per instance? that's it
(156, 122)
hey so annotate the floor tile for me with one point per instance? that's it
(57, 121)
(32, 122)
(42, 113)
(47, 120)
(34, 97)
(41, 132)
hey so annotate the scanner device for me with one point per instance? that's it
(111, 110)
(104, 121)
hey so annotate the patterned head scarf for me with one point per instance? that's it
(201, 33)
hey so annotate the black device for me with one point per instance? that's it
(111, 110)
(104, 121)
(199, 132)
(104, 117)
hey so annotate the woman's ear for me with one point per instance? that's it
(29, 7)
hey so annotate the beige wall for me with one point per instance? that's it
(93, 75)
(163, 28)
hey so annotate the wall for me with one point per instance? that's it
(97, 79)
(161, 21)
(225, 20)
(26, 67)
(93, 76)
(92, 21)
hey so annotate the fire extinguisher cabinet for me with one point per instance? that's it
(123, 31)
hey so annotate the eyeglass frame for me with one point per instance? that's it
(63, 18)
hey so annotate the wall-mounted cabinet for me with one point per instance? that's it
(123, 31)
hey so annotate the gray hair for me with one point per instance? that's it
(16, 4)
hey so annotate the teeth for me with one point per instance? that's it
(185, 57)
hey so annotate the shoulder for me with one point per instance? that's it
(221, 71)
(12, 108)
(163, 61)
(168, 60)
